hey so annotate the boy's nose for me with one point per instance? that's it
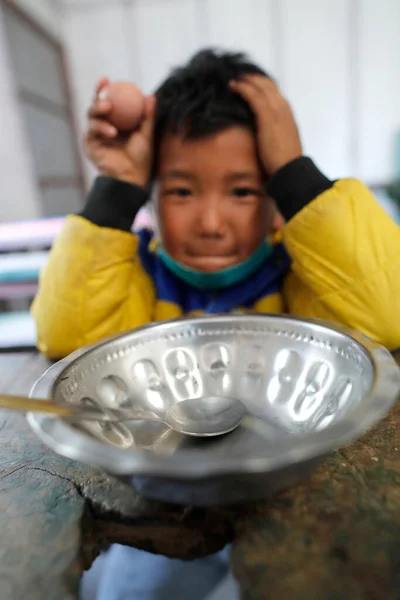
(210, 222)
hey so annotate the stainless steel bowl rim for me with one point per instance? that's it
(76, 445)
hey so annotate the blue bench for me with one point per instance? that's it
(17, 330)
(19, 274)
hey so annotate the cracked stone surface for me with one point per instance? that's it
(56, 514)
(335, 536)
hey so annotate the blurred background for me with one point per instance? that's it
(336, 61)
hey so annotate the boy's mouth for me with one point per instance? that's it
(210, 263)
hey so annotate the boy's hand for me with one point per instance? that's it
(124, 156)
(278, 137)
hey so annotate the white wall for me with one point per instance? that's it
(47, 13)
(315, 74)
(18, 196)
(378, 117)
(337, 61)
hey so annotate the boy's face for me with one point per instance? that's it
(213, 208)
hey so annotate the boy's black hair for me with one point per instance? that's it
(196, 101)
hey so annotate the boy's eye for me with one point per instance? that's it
(180, 192)
(245, 192)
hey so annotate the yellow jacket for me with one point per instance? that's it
(344, 266)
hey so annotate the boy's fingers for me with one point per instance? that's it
(101, 84)
(101, 128)
(99, 108)
(263, 83)
(261, 93)
(251, 94)
(149, 112)
(268, 88)
(149, 105)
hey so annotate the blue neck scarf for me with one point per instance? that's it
(217, 280)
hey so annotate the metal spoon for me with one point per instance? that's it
(200, 417)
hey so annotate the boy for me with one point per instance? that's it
(221, 148)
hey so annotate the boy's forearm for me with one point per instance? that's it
(346, 250)
(113, 203)
(296, 185)
(92, 286)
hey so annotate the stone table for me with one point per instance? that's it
(335, 536)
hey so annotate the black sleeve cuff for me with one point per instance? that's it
(114, 203)
(296, 185)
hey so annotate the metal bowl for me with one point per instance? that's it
(309, 386)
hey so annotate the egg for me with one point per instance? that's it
(128, 105)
